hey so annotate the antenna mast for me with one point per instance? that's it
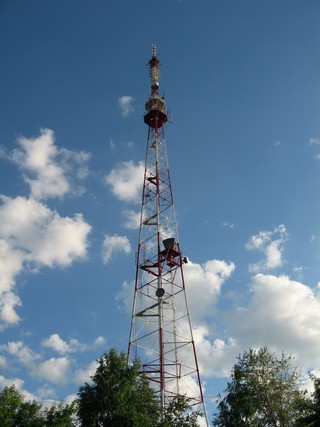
(161, 333)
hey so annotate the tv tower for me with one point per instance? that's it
(161, 333)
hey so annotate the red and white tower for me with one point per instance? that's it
(161, 333)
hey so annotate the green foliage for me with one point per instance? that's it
(16, 412)
(263, 392)
(60, 415)
(310, 408)
(118, 396)
(178, 414)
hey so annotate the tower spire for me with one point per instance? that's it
(154, 71)
(161, 334)
(156, 111)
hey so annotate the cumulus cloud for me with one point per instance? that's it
(8, 315)
(3, 362)
(230, 225)
(55, 370)
(23, 353)
(125, 105)
(203, 285)
(56, 343)
(216, 356)
(314, 141)
(282, 314)
(11, 261)
(271, 244)
(48, 168)
(125, 296)
(132, 221)
(126, 180)
(18, 383)
(33, 235)
(82, 376)
(115, 244)
(40, 235)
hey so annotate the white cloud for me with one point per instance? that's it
(314, 141)
(38, 156)
(33, 235)
(270, 243)
(203, 285)
(43, 236)
(11, 261)
(63, 241)
(24, 354)
(30, 232)
(230, 225)
(115, 244)
(125, 296)
(77, 161)
(18, 383)
(8, 315)
(125, 105)
(56, 343)
(99, 342)
(55, 370)
(47, 393)
(282, 314)
(47, 167)
(3, 362)
(216, 357)
(82, 376)
(126, 181)
(132, 219)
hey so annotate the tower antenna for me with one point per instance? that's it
(161, 333)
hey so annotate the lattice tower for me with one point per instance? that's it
(161, 333)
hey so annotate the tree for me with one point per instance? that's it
(15, 411)
(310, 408)
(178, 414)
(263, 392)
(60, 415)
(121, 396)
(118, 396)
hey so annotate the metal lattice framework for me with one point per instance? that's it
(161, 333)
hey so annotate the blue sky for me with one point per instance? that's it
(242, 84)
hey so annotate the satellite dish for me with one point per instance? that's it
(160, 292)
